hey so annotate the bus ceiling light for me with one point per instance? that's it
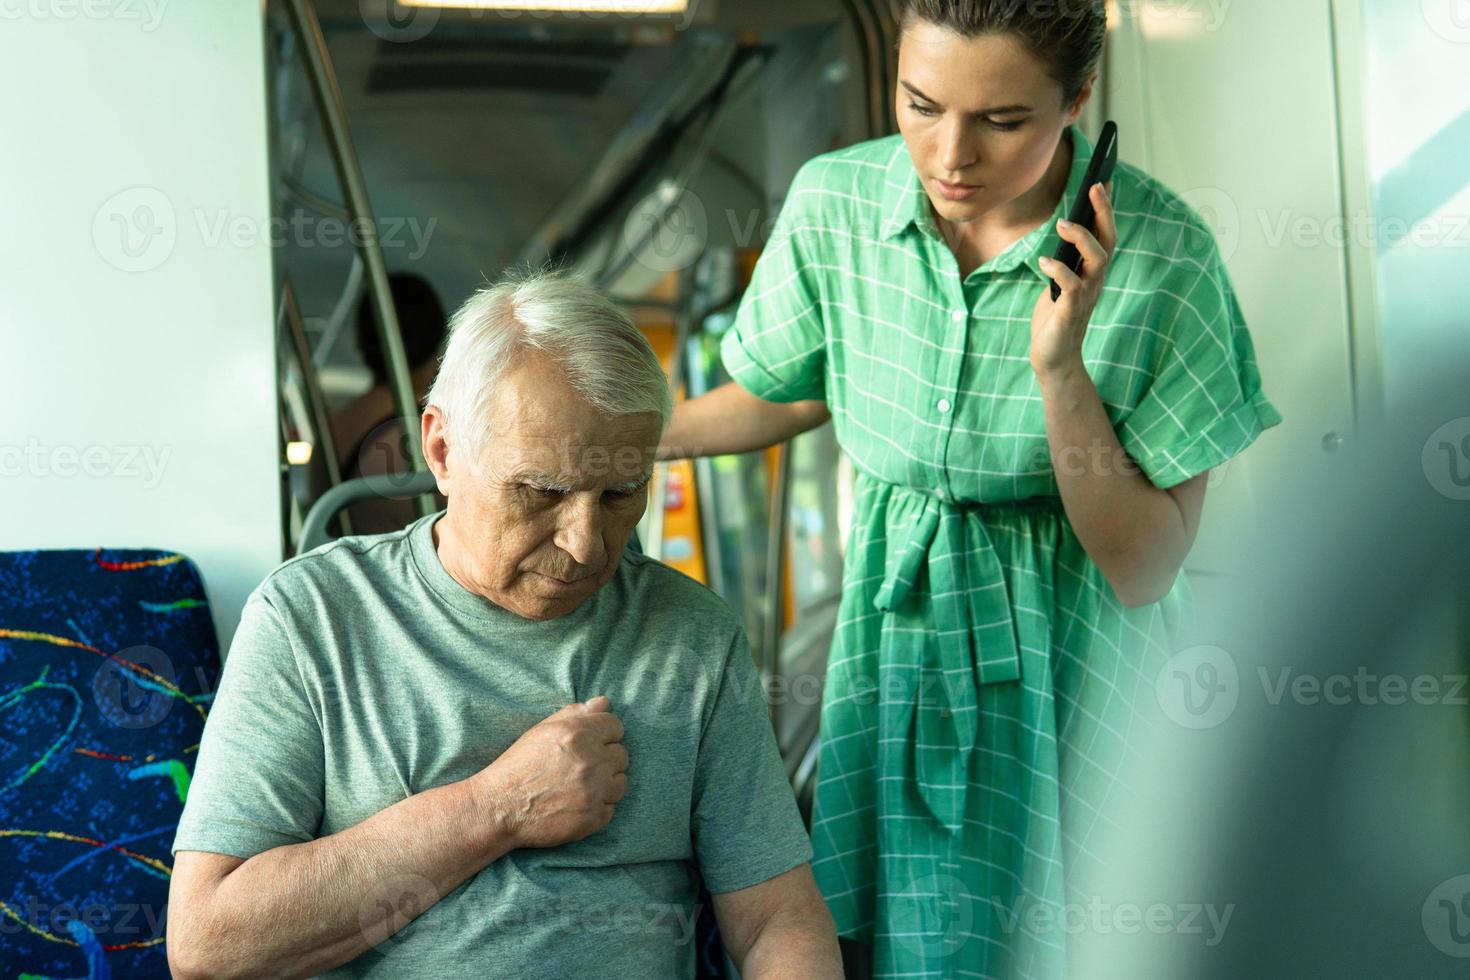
(565, 6)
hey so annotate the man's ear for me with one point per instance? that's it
(435, 435)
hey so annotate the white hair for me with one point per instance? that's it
(606, 358)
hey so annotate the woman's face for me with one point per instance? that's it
(981, 117)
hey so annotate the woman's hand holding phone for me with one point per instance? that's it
(1057, 327)
(1059, 322)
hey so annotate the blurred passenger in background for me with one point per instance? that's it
(369, 435)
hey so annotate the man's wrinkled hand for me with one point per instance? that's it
(561, 780)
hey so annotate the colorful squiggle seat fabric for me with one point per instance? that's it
(108, 660)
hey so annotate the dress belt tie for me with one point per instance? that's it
(947, 703)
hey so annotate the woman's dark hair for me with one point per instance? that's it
(1067, 34)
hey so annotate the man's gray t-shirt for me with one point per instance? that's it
(362, 673)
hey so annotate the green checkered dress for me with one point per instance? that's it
(985, 683)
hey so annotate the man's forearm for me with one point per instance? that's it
(302, 909)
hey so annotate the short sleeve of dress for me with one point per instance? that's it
(1204, 404)
(777, 347)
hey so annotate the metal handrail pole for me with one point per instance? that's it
(349, 173)
(290, 313)
(775, 567)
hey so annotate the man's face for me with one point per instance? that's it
(539, 522)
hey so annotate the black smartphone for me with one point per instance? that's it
(1099, 171)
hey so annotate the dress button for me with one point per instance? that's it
(958, 316)
(939, 492)
(943, 405)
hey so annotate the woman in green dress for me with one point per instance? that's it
(1030, 478)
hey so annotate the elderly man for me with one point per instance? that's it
(495, 744)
